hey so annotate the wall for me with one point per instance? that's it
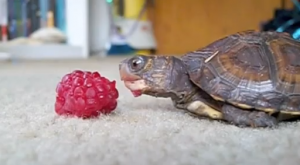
(88, 25)
(77, 25)
(99, 26)
(182, 26)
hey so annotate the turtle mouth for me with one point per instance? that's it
(134, 83)
(136, 87)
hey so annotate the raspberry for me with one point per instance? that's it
(85, 94)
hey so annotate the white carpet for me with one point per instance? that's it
(142, 131)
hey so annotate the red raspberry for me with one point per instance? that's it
(85, 94)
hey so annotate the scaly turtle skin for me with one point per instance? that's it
(247, 79)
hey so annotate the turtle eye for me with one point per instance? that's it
(137, 63)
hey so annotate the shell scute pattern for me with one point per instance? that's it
(258, 70)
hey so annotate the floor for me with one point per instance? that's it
(141, 131)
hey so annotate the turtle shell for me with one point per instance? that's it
(251, 70)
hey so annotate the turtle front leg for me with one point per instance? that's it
(246, 118)
(200, 109)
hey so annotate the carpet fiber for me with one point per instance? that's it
(142, 131)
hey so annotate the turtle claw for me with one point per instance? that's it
(264, 120)
(252, 124)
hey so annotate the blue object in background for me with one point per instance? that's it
(12, 20)
(60, 15)
(24, 18)
(120, 49)
(43, 11)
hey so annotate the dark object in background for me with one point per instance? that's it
(285, 20)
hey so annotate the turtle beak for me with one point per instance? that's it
(133, 82)
(122, 71)
(125, 73)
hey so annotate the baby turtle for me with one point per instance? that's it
(249, 79)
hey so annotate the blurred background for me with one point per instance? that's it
(80, 29)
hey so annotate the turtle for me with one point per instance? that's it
(248, 78)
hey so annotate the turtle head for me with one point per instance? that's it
(159, 76)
